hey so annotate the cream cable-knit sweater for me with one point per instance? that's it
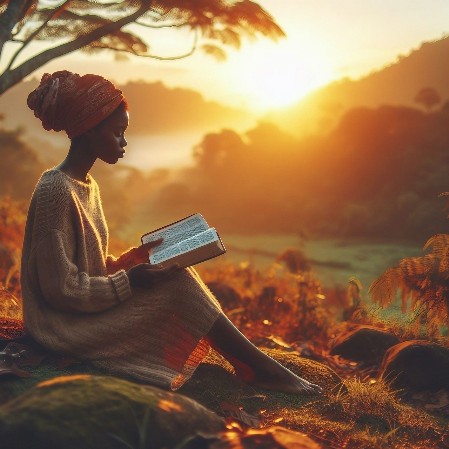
(77, 299)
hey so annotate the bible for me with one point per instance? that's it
(185, 242)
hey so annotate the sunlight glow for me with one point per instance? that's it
(277, 76)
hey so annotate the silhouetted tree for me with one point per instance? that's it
(91, 25)
(216, 150)
(428, 97)
(20, 166)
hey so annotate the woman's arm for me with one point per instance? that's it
(67, 288)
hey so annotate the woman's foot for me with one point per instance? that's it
(274, 376)
(295, 385)
(251, 364)
(284, 380)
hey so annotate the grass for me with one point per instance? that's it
(358, 414)
(355, 413)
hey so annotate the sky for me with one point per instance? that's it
(326, 40)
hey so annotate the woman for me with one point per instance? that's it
(122, 314)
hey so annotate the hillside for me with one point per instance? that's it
(155, 109)
(396, 83)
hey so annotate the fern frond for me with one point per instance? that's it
(439, 245)
(383, 289)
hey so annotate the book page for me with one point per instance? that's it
(189, 244)
(176, 232)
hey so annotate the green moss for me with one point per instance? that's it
(95, 411)
(12, 386)
(90, 412)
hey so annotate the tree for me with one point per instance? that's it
(115, 25)
(428, 97)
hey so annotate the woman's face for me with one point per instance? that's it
(107, 139)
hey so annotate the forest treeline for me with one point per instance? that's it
(378, 175)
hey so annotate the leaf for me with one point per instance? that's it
(214, 50)
(8, 366)
(24, 355)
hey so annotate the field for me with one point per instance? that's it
(293, 307)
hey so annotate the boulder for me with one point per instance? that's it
(313, 371)
(417, 365)
(85, 411)
(213, 383)
(366, 344)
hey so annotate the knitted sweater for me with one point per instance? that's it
(77, 299)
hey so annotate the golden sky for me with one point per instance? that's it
(326, 40)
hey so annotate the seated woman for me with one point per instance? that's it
(122, 314)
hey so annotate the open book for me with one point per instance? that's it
(185, 242)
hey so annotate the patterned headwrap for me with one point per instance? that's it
(73, 103)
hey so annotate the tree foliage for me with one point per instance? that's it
(428, 97)
(119, 26)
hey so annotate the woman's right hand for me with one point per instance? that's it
(146, 275)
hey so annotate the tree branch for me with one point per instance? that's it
(11, 77)
(35, 33)
(9, 18)
(168, 25)
(159, 58)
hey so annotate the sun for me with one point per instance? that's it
(273, 77)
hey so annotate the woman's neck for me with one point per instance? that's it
(78, 162)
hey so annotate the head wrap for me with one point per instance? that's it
(73, 103)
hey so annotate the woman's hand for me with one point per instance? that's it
(146, 275)
(140, 254)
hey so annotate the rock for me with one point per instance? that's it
(366, 344)
(213, 383)
(417, 365)
(226, 295)
(85, 411)
(310, 370)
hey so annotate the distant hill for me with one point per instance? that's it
(155, 109)
(394, 84)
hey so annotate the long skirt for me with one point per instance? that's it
(157, 336)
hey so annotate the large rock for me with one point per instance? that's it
(417, 365)
(85, 411)
(311, 370)
(366, 344)
(213, 383)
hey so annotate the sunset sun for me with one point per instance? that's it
(272, 78)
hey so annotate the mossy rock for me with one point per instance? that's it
(366, 344)
(313, 371)
(12, 386)
(213, 383)
(87, 411)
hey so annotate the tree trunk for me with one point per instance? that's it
(14, 76)
(9, 18)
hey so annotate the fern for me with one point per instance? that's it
(421, 281)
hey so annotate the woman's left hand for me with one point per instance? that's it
(141, 253)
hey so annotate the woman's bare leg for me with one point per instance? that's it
(251, 364)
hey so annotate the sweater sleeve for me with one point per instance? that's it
(67, 288)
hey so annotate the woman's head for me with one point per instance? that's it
(73, 103)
